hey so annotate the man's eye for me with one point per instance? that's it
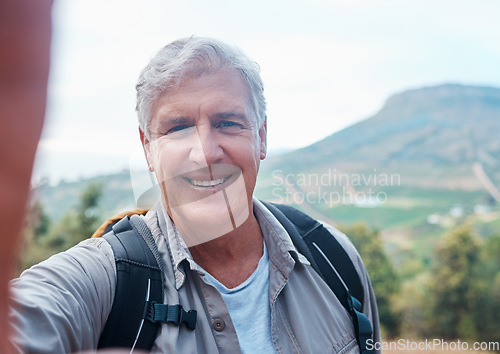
(228, 124)
(177, 128)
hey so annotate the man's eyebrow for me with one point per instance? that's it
(169, 121)
(231, 114)
(177, 120)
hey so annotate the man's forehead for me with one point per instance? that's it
(217, 93)
(191, 79)
(180, 112)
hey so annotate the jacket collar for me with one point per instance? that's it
(282, 253)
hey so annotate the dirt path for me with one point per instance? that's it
(478, 170)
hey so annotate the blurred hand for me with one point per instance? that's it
(25, 30)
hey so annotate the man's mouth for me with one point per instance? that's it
(207, 183)
(200, 183)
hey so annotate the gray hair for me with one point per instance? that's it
(195, 56)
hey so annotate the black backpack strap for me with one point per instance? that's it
(330, 260)
(138, 308)
(138, 279)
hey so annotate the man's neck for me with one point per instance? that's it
(232, 258)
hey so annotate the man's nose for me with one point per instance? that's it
(206, 150)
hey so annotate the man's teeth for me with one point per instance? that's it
(211, 183)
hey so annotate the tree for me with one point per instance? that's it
(455, 286)
(384, 279)
(488, 313)
(36, 225)
(88, 211)
(78, 223)
(410, 304)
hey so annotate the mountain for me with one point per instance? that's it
(447, 125)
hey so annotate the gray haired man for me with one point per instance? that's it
(203, 128)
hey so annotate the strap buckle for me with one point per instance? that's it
(362, 325)
(174, 314)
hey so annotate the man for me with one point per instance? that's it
(203, 128)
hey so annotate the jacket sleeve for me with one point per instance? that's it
(369, 302)
(61, 305)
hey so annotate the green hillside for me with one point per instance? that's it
(428, 160)
(116, 196)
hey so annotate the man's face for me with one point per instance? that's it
(205, 150)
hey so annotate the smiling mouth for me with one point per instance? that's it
(207, 183)
(198, 184)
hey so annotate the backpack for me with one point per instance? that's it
(138, 308)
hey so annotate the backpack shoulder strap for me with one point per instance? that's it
(138, 280)
(330, 260)
(108, 224)
(319, 240)
(138, 308)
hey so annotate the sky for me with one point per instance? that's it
(326, 64)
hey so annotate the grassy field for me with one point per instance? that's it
(411, 220)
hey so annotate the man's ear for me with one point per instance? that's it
(146, 146)
(263, 139)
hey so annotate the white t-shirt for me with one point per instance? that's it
(248, 306)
